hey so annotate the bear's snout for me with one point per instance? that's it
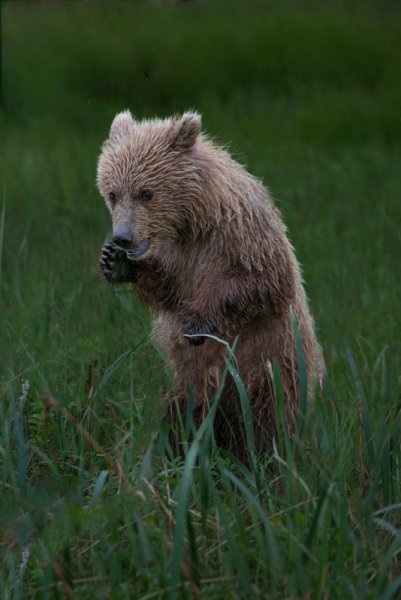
(123, 237)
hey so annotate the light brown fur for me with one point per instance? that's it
(219, 262)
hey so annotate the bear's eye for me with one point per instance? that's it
(146, 195)
(112, 198)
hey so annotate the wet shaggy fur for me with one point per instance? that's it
(218, 262)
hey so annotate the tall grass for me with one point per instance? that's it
(320, 517)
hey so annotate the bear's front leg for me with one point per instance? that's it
(115, 266)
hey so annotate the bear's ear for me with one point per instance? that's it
(122, 124)
(185, 131)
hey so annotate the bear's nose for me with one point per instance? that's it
(123, 237)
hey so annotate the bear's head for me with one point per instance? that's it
(150, 181)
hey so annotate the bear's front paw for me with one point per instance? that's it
(197, 324)
(114, 266)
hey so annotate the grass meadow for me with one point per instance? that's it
(93, 504)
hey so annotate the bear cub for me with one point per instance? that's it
(204, 247)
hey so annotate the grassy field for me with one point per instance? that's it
(93, 503)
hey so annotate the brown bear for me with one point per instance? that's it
(204, 247)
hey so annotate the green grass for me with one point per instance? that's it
(93, 503)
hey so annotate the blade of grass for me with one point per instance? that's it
(302, 382)
(391, 551)
(272, 546)
(246, 411)
(238, 556)
(390, 592)
(99, 485)
(2, 224)
(367, 423)
(20, 441)
(109, 372)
